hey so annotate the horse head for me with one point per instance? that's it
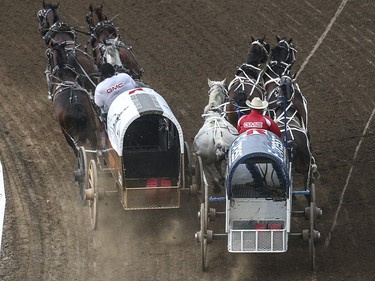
(258, 52)
(283, 56)
(95, 15)
(47, 17)
(99, 26)
(217, 94)
(287, 89)
(110, 52)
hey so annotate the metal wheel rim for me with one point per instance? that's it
(199, 177)
(313, 199)
(311, 236)
(82, 167)
(93, 184)
(203, 238)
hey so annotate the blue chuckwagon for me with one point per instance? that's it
(258, 200)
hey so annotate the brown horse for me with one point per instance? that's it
(71, 102)
(280, 63)
(247, 82)
(49, 25)
(107, 45)
(72, 106)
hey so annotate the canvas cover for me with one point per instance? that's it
(129, 106)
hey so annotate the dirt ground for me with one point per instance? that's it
(47, 234)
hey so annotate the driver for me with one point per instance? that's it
(112, 85)
(256, 120)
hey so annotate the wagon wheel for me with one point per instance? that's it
(188, 167)
(203, 235)
(199, 180)
(312, 236)
(80, 175)
(92, 193)
(313, 200)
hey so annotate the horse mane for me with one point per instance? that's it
(60, 58)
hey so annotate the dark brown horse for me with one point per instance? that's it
(108, 46)
(281, 61)
(49, 25)
(71, 102)
(248, 81)
(297, 137)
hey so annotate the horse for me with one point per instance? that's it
(103, 36)
(54, 30)
(72, 107)
(281, 61)
(295, 134)
(247, 82)
(216, 135)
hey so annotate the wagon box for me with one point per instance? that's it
(143, 148)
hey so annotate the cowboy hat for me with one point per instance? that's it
(257, 103)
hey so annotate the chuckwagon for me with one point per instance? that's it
(258, 200)
(143, 149)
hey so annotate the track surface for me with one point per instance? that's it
(181, 44)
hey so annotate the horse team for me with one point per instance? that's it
(72, 75)
(266, 73)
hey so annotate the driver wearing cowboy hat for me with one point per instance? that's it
(256, 119)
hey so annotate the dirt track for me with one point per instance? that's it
(181, 44)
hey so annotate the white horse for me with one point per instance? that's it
(111, 51)
(216, 135)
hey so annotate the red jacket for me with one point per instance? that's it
(256, 120)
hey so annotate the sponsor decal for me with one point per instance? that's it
(276, 147)
(115, 87)
(236, 152)
(253, 125)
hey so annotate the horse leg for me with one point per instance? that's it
(214, 173)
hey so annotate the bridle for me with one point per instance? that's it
(42, 16)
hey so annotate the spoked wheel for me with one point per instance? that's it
(80, 175)
(199, 180)
(312, 236)
(188, 167)
(92, 193)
